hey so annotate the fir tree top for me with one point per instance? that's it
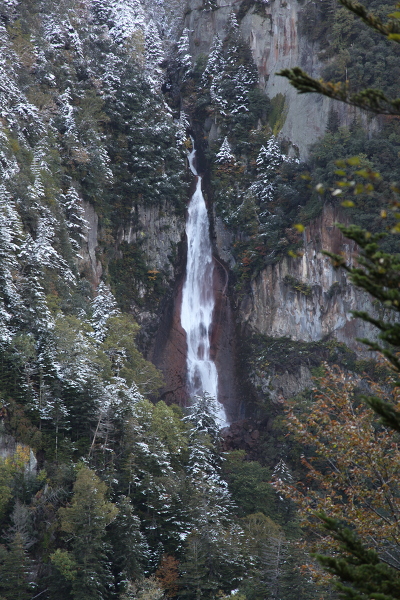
(269, 157)
(225, 155)
(104, 306)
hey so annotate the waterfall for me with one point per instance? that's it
(198, 299)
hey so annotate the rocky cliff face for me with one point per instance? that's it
(302, 299)
(89, 260)
(159, 233)
(306, 298)
(273, 35)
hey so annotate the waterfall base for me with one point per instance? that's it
(169, 348)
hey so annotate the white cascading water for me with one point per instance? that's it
(198, 299)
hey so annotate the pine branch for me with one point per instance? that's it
(368, 99)
(388, 29)
(372, 100)
(362, 574)
(389, 416)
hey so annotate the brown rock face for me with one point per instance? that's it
(223, 345)
(169, 350)
(243, 435)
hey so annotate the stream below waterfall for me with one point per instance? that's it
(198, 299)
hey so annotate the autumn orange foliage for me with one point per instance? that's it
(353, 465)
(167, 575)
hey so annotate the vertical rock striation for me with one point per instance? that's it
(306, 298)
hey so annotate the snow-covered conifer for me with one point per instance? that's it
(268, 161)
(215, 63)
(62, 34)
(182, 128)
(102, 10)
(244, 80)
(269, 157)
(75, 217)
(34, 256)
(202, 415)
(210, 508)
(8, 162)
(128, 17)
(216, 72)
(9, 9)
(119, 398)
(15, 110)
(35, 312)
(104, 306)
(155, 55)
(128, 25)
(233, 25)
(10, 237)
(40, 252)
(231, 79)
(39, 162)
(225, 155)
(67, 112)
(282, 473)
(72, 352)
(152, 482)
(184, 56)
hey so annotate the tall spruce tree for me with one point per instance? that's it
(15, 576)
(85, 520)
(213, 558)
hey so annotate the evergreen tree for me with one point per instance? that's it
(86, 520)
(232, 76)
(75, 218)
(195, 573)
(130, 550)
(225, 155)
(104, 306)
(10, 236)
(155, 487)
(265, 542)
(15, 571)
(215, 62)
(269, 158)
(184, 56)
(268, 161)
(213, 558)
(155, 55)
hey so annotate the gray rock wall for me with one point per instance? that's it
(275, 44)
(89, 262)
(159, 230)
(276, 308)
